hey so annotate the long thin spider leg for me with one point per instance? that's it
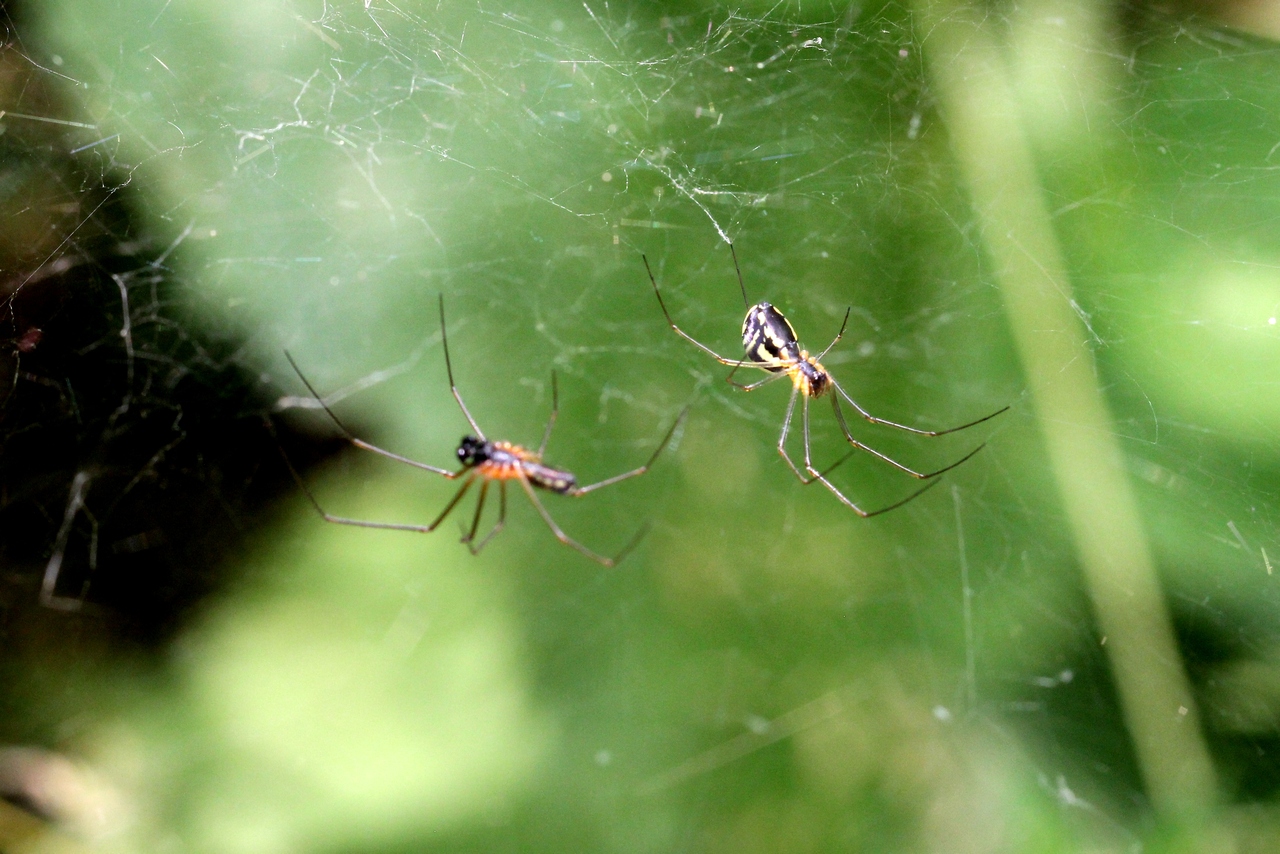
(839, 334)
(686, 336)
(786, 425)
(804, 430)
(469, 536)
(808, 463)
(874, 420)
(363, 523)
(630, 546)
(453, 502)
(778, 367)
(894, 506)
(361, 443)
(733, 252)
(829, 469)
(551, 422)
(559, 534)
(502, 520)
(821, 476)
(786, 430)
(757, 384)
(609, 481)
(844, 428)
(448, 366)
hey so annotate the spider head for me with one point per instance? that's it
(472, 451)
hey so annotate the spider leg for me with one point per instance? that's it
(565, 538)
(757, 384)
(448, 366)
(821, 476)
(502, 520)
(610, 481)
(469, 536)
(361, 443)
(776, 367)
(894, 506)
(555, 410)
(839, 335)
(686, 336)
(733, 252)
(814, 474)
(364, 523)
(786, 430)
(844, 428)
(630, 546)
(874, 420)
(782, 442)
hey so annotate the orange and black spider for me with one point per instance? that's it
(771, 345)
(487, 461)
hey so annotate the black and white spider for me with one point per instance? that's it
(771, 345)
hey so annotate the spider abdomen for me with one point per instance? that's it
(552, 480)
(767, 338)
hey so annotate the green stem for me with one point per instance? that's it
(991, 148)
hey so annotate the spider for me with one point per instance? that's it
(771, 345)
(488, 461)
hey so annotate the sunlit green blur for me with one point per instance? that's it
(767, 672)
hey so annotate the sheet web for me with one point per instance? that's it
(767, 670)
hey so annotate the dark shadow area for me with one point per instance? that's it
(133, 452)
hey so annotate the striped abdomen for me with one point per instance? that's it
(767, 338)
(553, 480)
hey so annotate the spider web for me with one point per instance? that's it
(204, 186)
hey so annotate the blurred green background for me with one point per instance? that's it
(767, 672)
